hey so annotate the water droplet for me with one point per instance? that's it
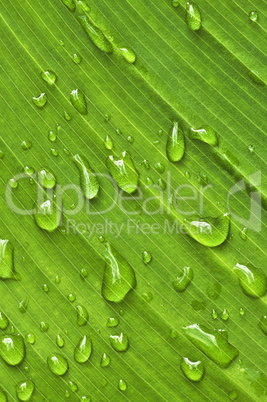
(108, 142)
(182, 281)
(67, 116)
(57, 364)
(251, 148)
(214, 343)
(48, 214)
(147, 296)
(119, 277)
(120, 343)
(147, 257)
(4, 322)
(23, 305)
(76, 58)
(173, 334)
(224, 315)
(232, 395)
(159, 167)
(49, 77)
(122, 385)
(86, 398)
(78, 100)
(12, 349)
(145, 164)
(44, 326)
(67, 394)
(82, 315)
(193, 16)
(70, 4)
(205, 134)
(71, 297)
(149, 181)
(194, 371)
(84, 273)
(128, 54)
(60, 341)
(54, 152)
(52, 136)
(24, 390)
(88, 180)
(101, 239)
(83, 350)
(25, 145)
(45, 288)
(254, 76)
(175, 143)
(210, 232)
(253, 16)
(214, 314)
(73, 386)
(263, 324)
(84, 6)
(130, 139)
(162, 184)
(3, 396)
(30, 338)
(241, 311)
(251, 279)
(7, 270)
(57, 279)
(95, 34)
(113, 322)
(121, 312)
(243, 233)
(175, 3)
(46, 178)
(40, 100)
(28, 170)
(123, 172)
(187, 175)
(2, 154)
(107, 117)
(105, 360)
(61, 42)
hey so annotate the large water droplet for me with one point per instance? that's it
(82, 315)
(58, 364)
(210, 232)
(4, 322)
(46, 178)
(122, 385)
(123, 172)
(105, 360)
(12, 349)
(95, 34)
(128, 54)
(194, 371)
(23, 305)
(40, 100)
(78, 100)
(88, 180)
(24, 390)
(60, 341)
(48, 214)
(6, 260)
(193, 16)
(263, 324)
(83, 350)
(205, 134)
(214, 343)
(252, 280)
(182, 281)
(120, 343)
(175, 143)
(253, 16)
(119, 276)
(49, 77)
(70, 4)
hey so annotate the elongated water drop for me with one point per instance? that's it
(44, 326)
(210, 232)
(7, 270)
(12, 349)
(48, 214)
(82, 315)
(182, 281)
(23, 305)
(4, 322)
(46, 178)
(105, 360)
(193, 16)
(119, 276)
(113, 322)
(175, 143)
(252, 280)
(49, 77)
(40, 100)
(205, 134)
(214, 343)
(146, 257)
(214, 314)
(120, 343)
(88, 180)
(122, 385)
(3, 396)
(52, 136)
(60, 341)
(83, 350)
(73, 386)
(194, 371)
(70, 4)
(123, 172)
(76, 58)
(83, 5)
(95, 34)
(67, 116)
(58, 364)
(24, 390)
(128, 54)
(263, 324)
(108, 142)
(78, 100)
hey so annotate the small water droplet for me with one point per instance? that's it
(70, 4)
(58, 364)
(83, 350)
(113, 322)
(251, 148)
(182, 281)
(12, 349)
(121, 312)
(88, 180)
(30, 338)
(119, 277)
(40, 100)
(82, 315)
(122, 385)
(71, 297)
(67, 394)
(159, 167)
(23, 305)
(145, 164)
(232, 395)
(214, 314)
(173, 334)
(224, 315)
(194, 371)
(52, 136)
(101, 239)
(243, 233)
(46, 178)
(76, 58)
(45, 288)
(61, 42)
(175, 3)
(146, 257)
(26, 145)
(128, 54)
(242, 311)
(107, 117)
(84, 273)
(78, 100)
(28, 170)
(60, 341)
(24, 390)
(86, 398)
(2, 154)
(147, 296)
(175, 146)
(105, 360)
(48, 214)
(120, 343)
(187, 175)
(193, 16)
(252, 280)
(54, 152)
(263, 324)
(108, 142)
(205, 134)
(49, 77)
(57, 279)
(130, 139)
(149, 181)
(4, 322)
(67, 116)
(13, 183)
(123, 172)
(95, 34)
(253, 16)
(44, 326)
(73, 386)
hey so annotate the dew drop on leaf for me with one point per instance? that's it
(159, 167)
(147, 296)
(214, 314)
(23, 305)
(7, 270)
(113, 322)
(194, 371)
(146, 257)
(254, 76)
(86, 398)
(128, 54)
(120, 343)
(45, 288)
(49, 77)
(78, 100)
(60, 341)
(205, 134)
(83, 5)
(130, 139)
(119, 276)
(67, 116)
(95, 34)
(57, 279)
(76, 58)
(173, 334)
(57, 364)
(24, 390)
(73, 386)
(232, 395)
(83, 350)
(30, 338)
(243, 233)
(40, 100)
(252, 280)
(193, 16)
(253, 16)
(182, 281)
(52, 136)
(175, 3)
(82, 315)
(105, 360)
(48, 214)
(108, 142)
(175, 146)
(146, 164)
(149, 181)
(224, 315)
(162, 184)
(2, 154)
(54, 152)
(70, 4)
(46, 178)
(44, 326)
(263, 324)
(122, 385)
(84, 273)
(4, 322)
(71, 297)
(12, 349)
(88, 180)
(123, 172)
(242, 311)
(26, 145)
